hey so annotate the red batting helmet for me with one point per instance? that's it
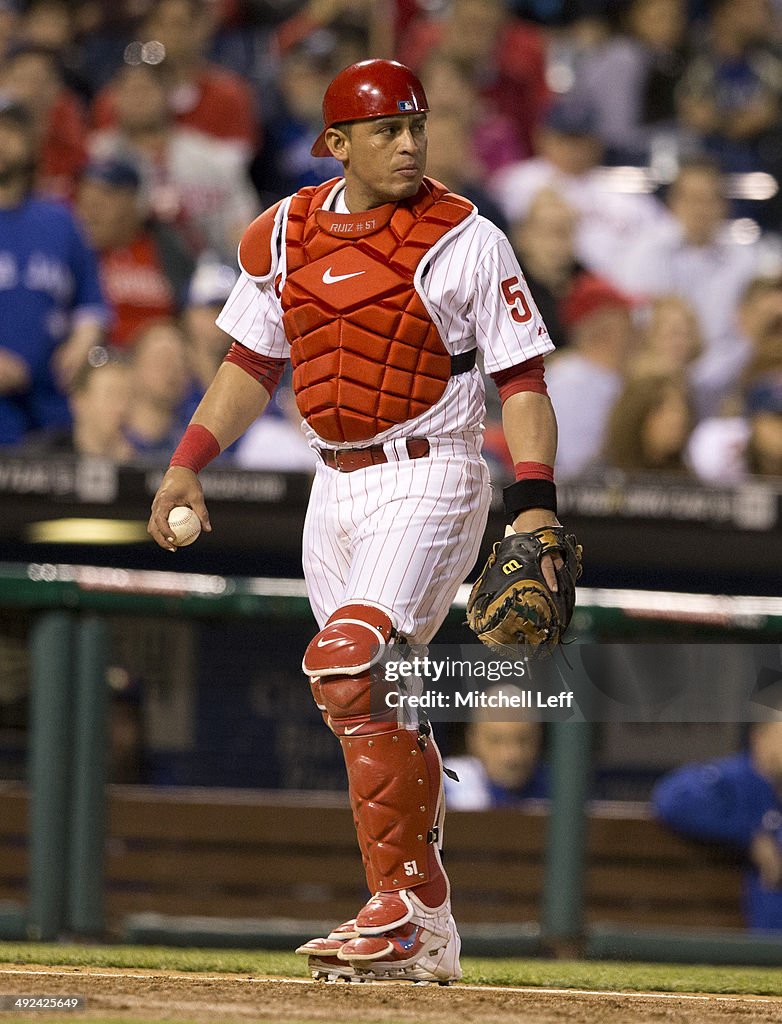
(369, 89)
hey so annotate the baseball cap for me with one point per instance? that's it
(113, 171)
(589, 294)
(569, 117)
(211, 285)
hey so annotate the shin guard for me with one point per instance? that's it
(394, 773)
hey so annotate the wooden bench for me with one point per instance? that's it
(233, 853)
(14, 860)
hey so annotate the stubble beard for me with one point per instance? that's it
(16, 173)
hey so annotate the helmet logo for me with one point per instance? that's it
(405, 106)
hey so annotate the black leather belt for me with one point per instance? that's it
(464, 362)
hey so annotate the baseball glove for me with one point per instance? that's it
(511, 603)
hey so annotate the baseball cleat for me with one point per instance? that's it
(331, 944)
(424, 948)
(322, 954)
(330, 969)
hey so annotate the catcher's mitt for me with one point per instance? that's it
(511, 603)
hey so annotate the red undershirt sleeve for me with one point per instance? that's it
(264, 369)
(526, 376)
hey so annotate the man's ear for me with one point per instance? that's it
(337, 142)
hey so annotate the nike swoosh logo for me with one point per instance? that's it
(329, 278)
(407, 944)
(325, 641)
(349, 730)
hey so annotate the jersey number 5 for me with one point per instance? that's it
(517, 301)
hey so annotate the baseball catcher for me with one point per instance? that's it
(512, 601)
(381, 287)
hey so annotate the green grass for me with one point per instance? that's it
(160, 958)
(630, 977)
(543, 973)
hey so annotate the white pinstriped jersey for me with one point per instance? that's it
(475, 292)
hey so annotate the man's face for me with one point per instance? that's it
(140, 99)
(760, 313)
(571, 154)
(472, 28)
(546, 238)
(16, 152)
(109, 213)
(766, 749)
(384, 159)
(508, 751)
(661, 23)
(451, 161)
(31, 79)
(179, 27)
(767, 449)
(698, 204)
(750, 20)
(160, 367)
(204, 333)
(102, 406)
(608, 326)
(303, 83)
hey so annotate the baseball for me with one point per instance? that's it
(185, 525)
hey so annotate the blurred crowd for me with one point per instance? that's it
(632, 149)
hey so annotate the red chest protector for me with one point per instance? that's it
(366, 354)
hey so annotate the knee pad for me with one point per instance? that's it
(338, 662)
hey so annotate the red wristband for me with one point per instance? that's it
(196, 449)
(534, 471)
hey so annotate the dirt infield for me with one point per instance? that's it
(157, 996)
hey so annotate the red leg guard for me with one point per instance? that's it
(394, 774)
(391, 800)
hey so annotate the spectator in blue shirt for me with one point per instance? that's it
(736, 801)
(285, 163)
(51, 309)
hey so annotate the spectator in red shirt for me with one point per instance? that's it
(204, 96)
(144, 270)
(32, 75)
(506, 55)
